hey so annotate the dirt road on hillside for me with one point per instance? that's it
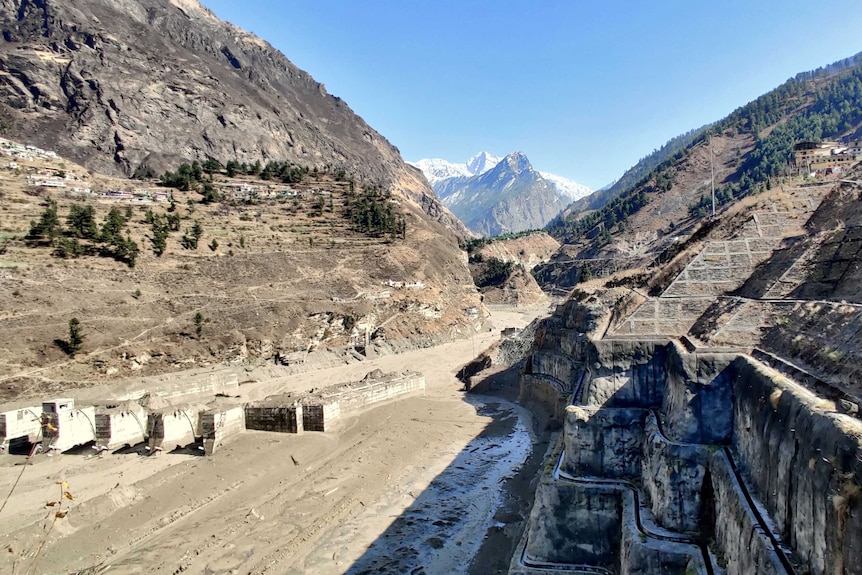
(408, 487)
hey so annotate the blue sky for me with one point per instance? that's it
(584, 88)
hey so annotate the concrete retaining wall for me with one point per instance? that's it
(556, 365)
(804, 460)
(628, 373)
(320, 410)
(698, 406)
(572, 523)
(597, 525)
(561, 340)
(796, 505)
(643, 555)
(542, 393)
(672, 478)
(604, 442)
(743, 544)
(178, 387)
(340, 403)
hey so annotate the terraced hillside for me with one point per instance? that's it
(287, 273)
(302, 267)
(721, 266)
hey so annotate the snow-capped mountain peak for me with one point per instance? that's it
(482, 162)
(493, 195)
(518, 162)
(437, 170)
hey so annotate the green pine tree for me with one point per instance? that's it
(76, 337)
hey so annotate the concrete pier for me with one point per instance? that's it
(65, 426)
(219, 424)
(24, 423)
(120, 424)
(172, 427)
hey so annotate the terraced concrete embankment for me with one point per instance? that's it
(723, 266)
(675, 460)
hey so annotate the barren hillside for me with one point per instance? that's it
(307, 263)
(502, 266)
(278, 274)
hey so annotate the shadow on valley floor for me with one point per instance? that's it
(470, 517)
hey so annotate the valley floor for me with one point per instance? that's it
(408, 487)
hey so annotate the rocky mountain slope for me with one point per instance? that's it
(127, 86)
(303, 260)
(569, 188)
(511, 197)
(502, 266)
(796, 100)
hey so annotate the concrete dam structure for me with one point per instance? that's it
(678, 461)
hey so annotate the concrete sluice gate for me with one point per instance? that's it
(678, 462)
(121, 424)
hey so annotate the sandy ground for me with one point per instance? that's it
(408, 487)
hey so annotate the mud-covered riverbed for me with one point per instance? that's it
(443, 527)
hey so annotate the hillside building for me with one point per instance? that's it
(825, 157)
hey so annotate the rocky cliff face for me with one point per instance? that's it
(121, 85)
(520, 289)
(528, 250)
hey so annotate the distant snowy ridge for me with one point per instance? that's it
(436, 169)
(482, 162)
(573, 190)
